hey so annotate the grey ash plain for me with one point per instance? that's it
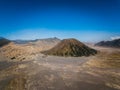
(43, 72)
(58, 73)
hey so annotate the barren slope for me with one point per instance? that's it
(70, 47)
(28, 50)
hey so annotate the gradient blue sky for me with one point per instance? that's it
(86, 20)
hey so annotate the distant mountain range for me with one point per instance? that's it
(4, 41)
(114, 43)
(36, 40)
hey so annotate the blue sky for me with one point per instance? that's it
(86, 20)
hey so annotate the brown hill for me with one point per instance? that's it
(114, 43)
(70, 47)
(4, 41)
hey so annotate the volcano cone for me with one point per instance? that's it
(70, 47)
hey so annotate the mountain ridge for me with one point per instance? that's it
(4, 41)
(113, 43)
(19, 41)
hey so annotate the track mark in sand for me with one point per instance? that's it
(22, 66)
(50, 78)
(34, 61)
